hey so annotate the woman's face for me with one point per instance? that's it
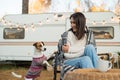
(73, 24)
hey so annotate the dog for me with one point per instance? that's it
(38, 61)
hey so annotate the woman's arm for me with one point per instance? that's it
(74, 47)
(74, 51)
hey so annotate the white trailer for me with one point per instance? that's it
(19, 32)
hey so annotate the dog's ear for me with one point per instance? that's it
(42, 43)
(35, 44)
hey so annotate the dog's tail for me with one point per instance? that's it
(16, 75)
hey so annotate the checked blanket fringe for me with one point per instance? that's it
(65, 69)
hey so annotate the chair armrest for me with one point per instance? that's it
(104, 56)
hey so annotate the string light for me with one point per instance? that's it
(18, 28)
(112, 18)
(3, 21)
(57, 17)
(32, 26)
(26, 28)
(9, 23)
(40, 23)
(48, 20)
(94, 22)
(103, 22)
(62, 17)
(11, 26)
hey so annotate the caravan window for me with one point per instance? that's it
(104, 32)
(13, 33)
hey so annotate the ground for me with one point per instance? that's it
(5, 73)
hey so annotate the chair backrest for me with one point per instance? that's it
(91, 38)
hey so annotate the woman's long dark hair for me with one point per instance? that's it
(80, 22)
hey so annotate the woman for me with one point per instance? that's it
(76, 52)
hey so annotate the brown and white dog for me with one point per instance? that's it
(39, 59)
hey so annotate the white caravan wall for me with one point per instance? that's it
(50, 32)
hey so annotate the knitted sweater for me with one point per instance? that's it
(76, 47)
(36, 67)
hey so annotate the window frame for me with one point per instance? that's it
(104, 34)
(14, 34)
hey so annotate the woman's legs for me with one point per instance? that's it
(81, 62)
(91, 52)
(88, 60)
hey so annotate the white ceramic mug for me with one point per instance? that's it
(104, 65)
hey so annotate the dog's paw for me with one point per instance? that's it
(16, 75)
(49, 68)
(45, 62)
(28, 79)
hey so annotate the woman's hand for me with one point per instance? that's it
(65, 48)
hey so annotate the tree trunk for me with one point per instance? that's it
(25, 7)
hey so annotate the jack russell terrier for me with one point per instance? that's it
(39, 59)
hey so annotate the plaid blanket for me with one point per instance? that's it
(65, 69)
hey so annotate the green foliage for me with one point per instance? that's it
(14, 65)
(118, 53)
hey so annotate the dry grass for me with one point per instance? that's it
(5, 73)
